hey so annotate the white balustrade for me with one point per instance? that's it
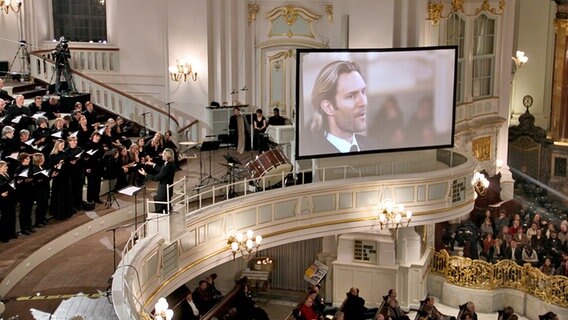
(300, 212)
(120, 103)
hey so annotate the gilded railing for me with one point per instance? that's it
(478, 274)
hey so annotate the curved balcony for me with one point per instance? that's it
(172, 249)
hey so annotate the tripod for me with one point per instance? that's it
(231, 193)
(110, 196)
(24, 56)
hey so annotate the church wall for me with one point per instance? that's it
(535, 36)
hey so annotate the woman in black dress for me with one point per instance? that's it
(42, 188)
(61, 206)
(24, 188)
(7, 205)
(260, 124)
(122, 164)
(9, 149)
(85, 131)
(76, 168)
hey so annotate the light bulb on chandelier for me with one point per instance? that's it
(391, 215)
(245, 245)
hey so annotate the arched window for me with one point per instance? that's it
(455, 35)
(80, 20)
(483, 57)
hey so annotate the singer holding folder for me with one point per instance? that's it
(7, 205)
(165, 177)
(24, 188)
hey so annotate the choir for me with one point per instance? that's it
(47, 165)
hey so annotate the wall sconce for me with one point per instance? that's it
(162, 310)
(520, 59)
(480, 183)
(181, 71)
(14, 5)
(390, 215)
(245, 246)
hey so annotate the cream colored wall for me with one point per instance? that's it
(535, 36)
(8, 36)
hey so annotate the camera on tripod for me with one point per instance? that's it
(62, 53)
(22, 43)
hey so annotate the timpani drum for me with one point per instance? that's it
(270, 164)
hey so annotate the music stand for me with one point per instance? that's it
(110, 195)
(209, 146)
(132, 191)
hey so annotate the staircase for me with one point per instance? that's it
(132, 108)
(28, 89)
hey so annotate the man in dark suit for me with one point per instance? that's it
(513, 252)
(354, 307)
(188, 309)
(339, 99)
(4, 94)
(165, 177)
(15, 110)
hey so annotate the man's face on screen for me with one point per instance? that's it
(350, 109)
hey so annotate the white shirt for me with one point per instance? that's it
(193, 307)
(342, 145)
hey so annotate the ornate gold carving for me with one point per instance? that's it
(329, 11)
(481, 148)
(485, 6)
(290, 13)
(252, 11)
(457, 6)
(562, 24)
(435, 12)
(478, 274)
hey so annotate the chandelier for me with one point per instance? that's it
(14, 5)
(245, 245)
(182, 70)
(162, 310)
(391, 215)
(480, 183)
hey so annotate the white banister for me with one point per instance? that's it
(118, 102)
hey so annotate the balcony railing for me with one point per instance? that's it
(478, 274)
(132, 108)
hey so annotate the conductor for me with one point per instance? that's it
(164, 177)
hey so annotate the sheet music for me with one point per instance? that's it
(12, 184)
(44, 172)
(92, 151)
(24, 173)
(74, 134)
(13, 155)
(129, 191)
(102, 131)
(29, 142)
(17, 119)
(78, 155)
(39, 148)
(58, 134)
(38, 114)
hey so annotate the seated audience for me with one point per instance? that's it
(307, 311)
(547, 268)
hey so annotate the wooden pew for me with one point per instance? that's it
(222, 307)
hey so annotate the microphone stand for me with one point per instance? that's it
(145, 130)
(169, 104)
